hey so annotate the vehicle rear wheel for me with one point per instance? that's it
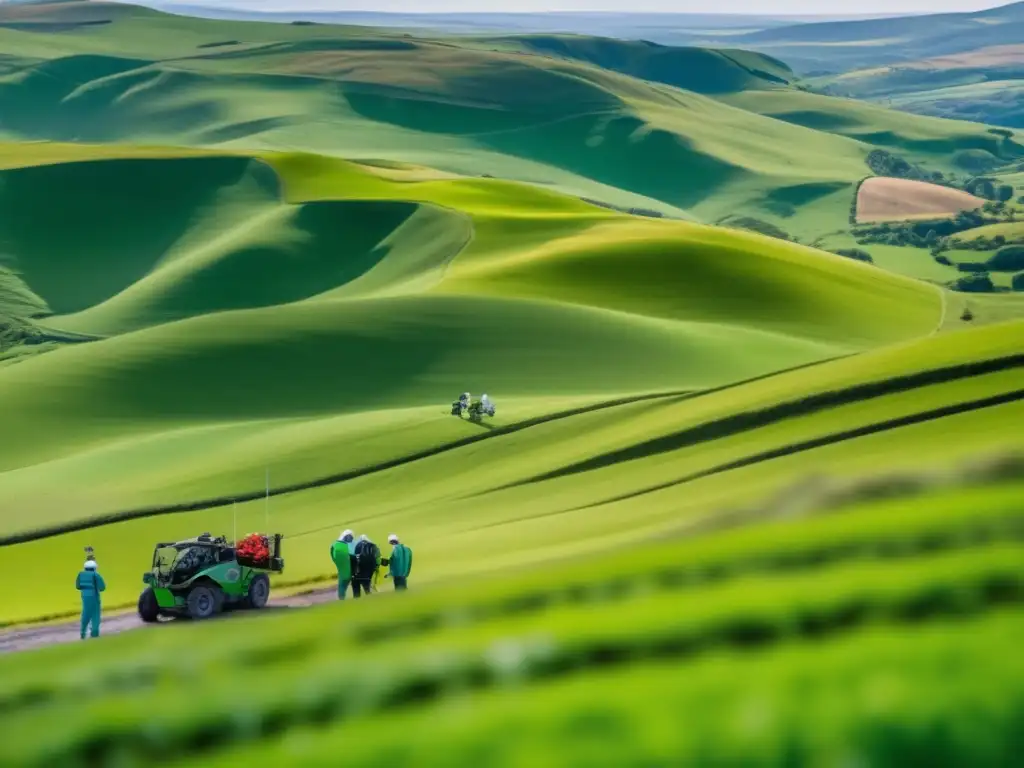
(259, 591)
(204, 602)
(149, 609)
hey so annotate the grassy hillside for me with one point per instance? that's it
(597, 118)
(702, 70)
(931, 141)
(524, 308)
(240, 294)
(654, 462)
(200, 235)
(983, 85)
(964, 66)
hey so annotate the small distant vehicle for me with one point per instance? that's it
(200, 577)
(476, 409)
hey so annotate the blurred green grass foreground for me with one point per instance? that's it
(874, 623)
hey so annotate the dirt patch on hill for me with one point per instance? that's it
(886, 199)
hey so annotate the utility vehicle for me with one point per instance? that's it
(200, 577)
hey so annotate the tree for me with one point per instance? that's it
(1017, 283)
(977, 283)
(1009, 258)
(982, 187)
(855, 253)
(1004, 193)
(931, 238)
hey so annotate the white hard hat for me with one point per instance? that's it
(362, 537)
(346, 533)
(393, 538)
(90, 565)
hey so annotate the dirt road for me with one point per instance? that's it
(25, 638)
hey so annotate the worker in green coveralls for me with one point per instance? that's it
(340, 554)
(90, 584)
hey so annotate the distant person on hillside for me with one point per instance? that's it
(90, 584)
(459, 406)
(399, 562)
(367, 561)
(486, 405)
(342, 559)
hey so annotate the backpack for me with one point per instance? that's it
(366, 558)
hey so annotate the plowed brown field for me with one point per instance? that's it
(885, 199)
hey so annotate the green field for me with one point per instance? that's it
(982, 85)
(889, 618)
(962, 66)
(757, 487)
(1011, 231)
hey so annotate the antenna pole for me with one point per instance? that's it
(266, 504)
(234, 521)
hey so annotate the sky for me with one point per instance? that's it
(759, 7)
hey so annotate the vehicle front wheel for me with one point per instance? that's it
(259, 591)
(204, 602)
(149, 609)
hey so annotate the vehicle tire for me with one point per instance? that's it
(204, 602)
(149, 609)
(259, 592)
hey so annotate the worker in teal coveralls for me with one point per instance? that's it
(400, 563)
(90, 584)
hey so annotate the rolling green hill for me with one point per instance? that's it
(964, 66)
(982, 85)
(855, 44)
(740, 479)
(524, 307)
(598, 118)
(702, 70)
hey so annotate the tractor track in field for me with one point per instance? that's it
(743, 421)
(818, 442)
(488, 432)
(712, 430)
(28, 637)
